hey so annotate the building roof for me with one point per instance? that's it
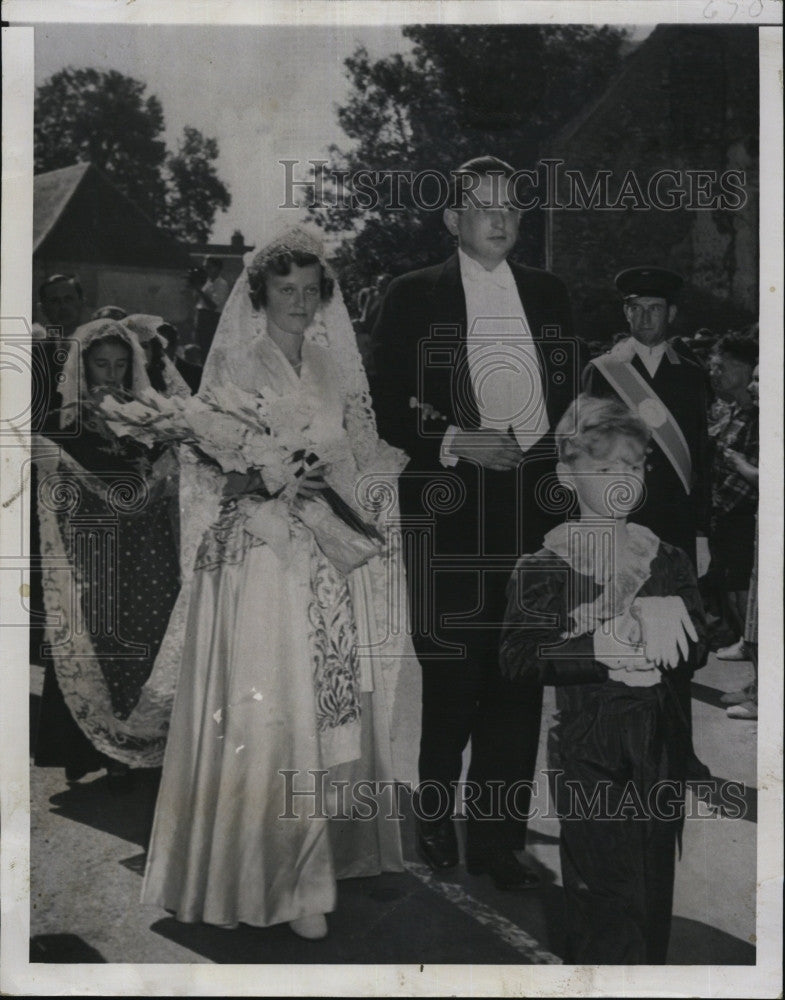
(80, 215)
(52, 192)
(229, 251)
(641, 69)
(616, 85)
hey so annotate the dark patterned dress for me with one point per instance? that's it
(109, 612)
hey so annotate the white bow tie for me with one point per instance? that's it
(498, 280)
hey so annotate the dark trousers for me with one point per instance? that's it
(468, 699)
(618, 885)
(458, 601)
(676, 526)
(205, 325)
(626, 746)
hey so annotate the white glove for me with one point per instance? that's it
(617, 644)
(666, 627)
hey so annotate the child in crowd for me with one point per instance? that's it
(607, 613)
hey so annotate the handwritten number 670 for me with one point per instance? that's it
(754, 9)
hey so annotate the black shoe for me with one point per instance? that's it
(505, 869)
(437, 844)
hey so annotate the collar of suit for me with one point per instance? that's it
(500, 277)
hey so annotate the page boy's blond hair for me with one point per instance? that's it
(592, 425)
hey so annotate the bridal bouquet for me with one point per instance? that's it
(263, 435)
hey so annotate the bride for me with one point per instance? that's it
(289, 667)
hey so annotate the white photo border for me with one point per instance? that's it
(17, 976)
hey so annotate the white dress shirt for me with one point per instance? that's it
(504, 366)
(650, 356)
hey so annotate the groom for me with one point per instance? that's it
(475, 366)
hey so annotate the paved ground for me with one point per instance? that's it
(87, 857)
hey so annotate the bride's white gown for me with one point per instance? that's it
(271, 692)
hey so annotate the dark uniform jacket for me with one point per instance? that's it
(668, 510)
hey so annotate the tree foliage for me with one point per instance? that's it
(462, 92)
(104, 118)
(195, 190)
(83, 115)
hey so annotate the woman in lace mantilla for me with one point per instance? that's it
(102, 503)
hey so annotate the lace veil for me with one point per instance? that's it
(240, 323)
(145, 328)
(227, 364)
(73, 385)
(379, 586)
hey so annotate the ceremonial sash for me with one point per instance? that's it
(638, 394)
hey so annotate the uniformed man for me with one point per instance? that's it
(669, 392)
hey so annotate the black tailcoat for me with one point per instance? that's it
(465, 526)
(421, 357)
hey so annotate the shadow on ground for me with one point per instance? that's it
(128, 815)
(708, 695)
(35, 711)
(733, 799)
(415, 928)
(393, 918)
(390, 919)
(696, 943)
(61, 948)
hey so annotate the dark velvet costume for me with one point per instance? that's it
(611, 740)
(673, 514)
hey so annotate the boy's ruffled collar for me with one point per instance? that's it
(620, 578)
(570, 541)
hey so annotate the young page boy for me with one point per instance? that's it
(608, 613)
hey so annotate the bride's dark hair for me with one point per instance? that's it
(281, 264)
